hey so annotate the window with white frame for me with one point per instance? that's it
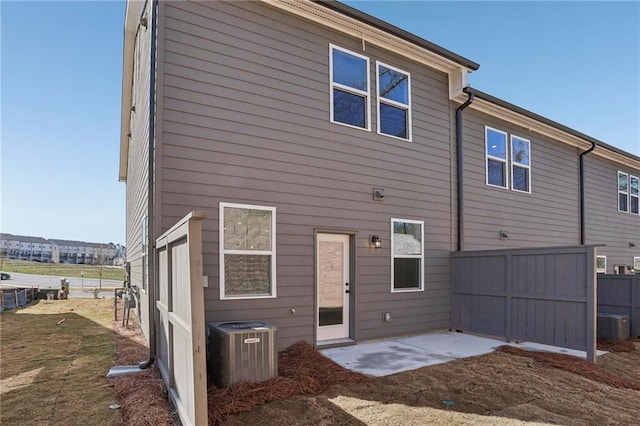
(394, 101)
(496, 157)
(247, 251)
(520, 164)
(623, 192)
(349, 87)
(407, 255)
(601, 264)
(634, 195)
(636, 264)
(143, 242)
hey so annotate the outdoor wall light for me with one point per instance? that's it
(376, 242)
(631, 244)
(503, 235)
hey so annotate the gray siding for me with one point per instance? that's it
(604, 223)
(246, 120)
(137, 168)
(548, 216)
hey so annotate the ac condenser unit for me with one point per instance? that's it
(241, 351)
(613, 327)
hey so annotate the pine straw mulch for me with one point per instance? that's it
(302, 371)
(143, 396)
(575, 365)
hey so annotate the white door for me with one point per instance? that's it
(332, 278)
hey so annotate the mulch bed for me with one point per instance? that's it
(617, 346)
(143, 396)
(575, 365)
(302, 371)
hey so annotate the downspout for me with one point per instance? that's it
(582, 192)
(460, 169)
(151, 244)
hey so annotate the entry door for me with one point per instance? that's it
(332, 278)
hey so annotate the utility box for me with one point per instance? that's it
(241, 351)
(613, 327)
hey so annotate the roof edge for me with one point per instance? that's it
(500, 102)
(396, 31)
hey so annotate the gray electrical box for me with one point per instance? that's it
(613, 327)
(241, 351)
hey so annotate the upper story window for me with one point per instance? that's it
(407, 255)
(628, 193)
(247, 251)
(496, 150)
(499, 162)
(394, 101)
(349, 87)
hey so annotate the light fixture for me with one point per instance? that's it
(631, 244)
(376, 242)
(503, 235)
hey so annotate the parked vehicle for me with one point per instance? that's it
(4, 276)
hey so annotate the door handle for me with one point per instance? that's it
(347, 291)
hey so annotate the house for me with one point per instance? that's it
(28, 248)
(339, 162)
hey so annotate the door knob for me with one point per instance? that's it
(347, 291)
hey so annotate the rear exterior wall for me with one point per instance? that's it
(246, 120)
(548, 216)
(604, 223)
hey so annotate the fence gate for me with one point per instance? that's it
(181, 353)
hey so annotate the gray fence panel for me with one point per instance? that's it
(620, 294)
(543, 295)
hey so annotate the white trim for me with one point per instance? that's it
(622, 192)
(631, 195)
(380, 99)
(505, 161)
(271, 252)
(636, 262)
(603, 270)
(523, 166)
(365, 94)
(420, 256)
(144, 229)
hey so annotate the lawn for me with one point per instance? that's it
(53, 359)
(63, 270)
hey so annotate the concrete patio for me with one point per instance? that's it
(385, 357)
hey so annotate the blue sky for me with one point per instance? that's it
(577, 63)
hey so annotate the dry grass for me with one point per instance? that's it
(52, 371)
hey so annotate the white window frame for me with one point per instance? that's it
(407, 256)
(348, 89)
(631, 195)
(390, 102)
(636, 262)
(623, 192)
(144, 257)
(271, 252)
(488, 157)
(523, 166)
(603, 270)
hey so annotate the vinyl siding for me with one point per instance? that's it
(604, 223)
(137, 168)
(549, 216)
(246, 120)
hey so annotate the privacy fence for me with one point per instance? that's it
(620, 294)
(544, 295)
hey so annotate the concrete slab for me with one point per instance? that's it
(385, 357)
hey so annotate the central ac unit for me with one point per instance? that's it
(241, 351)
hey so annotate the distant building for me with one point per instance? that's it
(59, 251)
(28, 248)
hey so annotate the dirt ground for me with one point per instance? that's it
(497, 388)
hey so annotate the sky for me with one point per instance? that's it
(577, 63)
